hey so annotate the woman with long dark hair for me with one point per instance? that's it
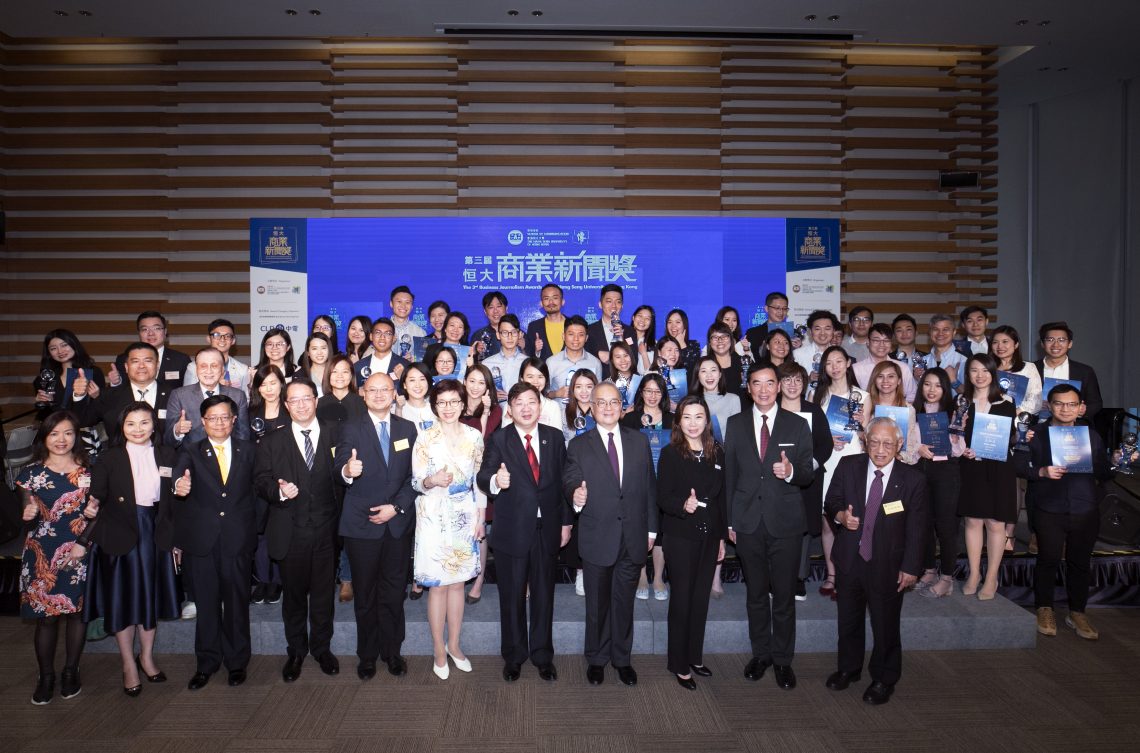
(677, 326)
(356, 343)
(326, 325)
(277, 350)
(643, 341)
(483, 414)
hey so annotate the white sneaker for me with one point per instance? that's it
(579, 584)
(189, 611)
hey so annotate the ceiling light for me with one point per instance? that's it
(1044, 23)
(60, 12)
(1043, 68)
(314, 12)
(536, 13)
(290, 12)
(833, 18)
(1021, 22)
(809, 17)
(1063, 68)
(512, 13)
(86, 13)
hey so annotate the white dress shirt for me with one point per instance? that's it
(1057, 372)
(758, 425)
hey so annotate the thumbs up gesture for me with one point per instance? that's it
(183, 427)
(182, 485)
(538, 345)
(114, 378)
(31, 508)
(691, 502)
(850, 522)
(289, 490)
(580, 495)
(92, 508)
(79, 386)
(503, 477)
(354, 467)
(782, 469)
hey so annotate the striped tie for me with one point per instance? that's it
(308, 449)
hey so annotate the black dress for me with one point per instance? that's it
(989, 487)
(332, 409)
(633, 420)
(822, 446)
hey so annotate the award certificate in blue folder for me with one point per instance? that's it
(1072, 448)
(837, 418)
(461, 353)
(419, 347)
(990, 439)
(901, 416)
(658, 438)
(678, 382)
(785, 326)
(1015, 385)
(1049, 383)
(933, 428)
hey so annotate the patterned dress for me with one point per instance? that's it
(446, 550)
(47, 586)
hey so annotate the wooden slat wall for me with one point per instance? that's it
(130, 167)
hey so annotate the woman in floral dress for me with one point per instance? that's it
(449, 518)
(53, 577)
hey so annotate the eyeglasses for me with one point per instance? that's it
(383, 334)
(152, 330)
(448, 403)
(378, 390)
(881, 340)
(651, 391)
(275, 345)
(719, 338)
(792, 380)
(508, 333)
(323, 328)
(777, 308)
(886, 444)
(223, 336)
(218, 419)
(1068, 406)
(1051, 340)
(862, 319)
(614, 403)
(300, 400)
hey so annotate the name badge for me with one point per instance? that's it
(787, 444)
(85, 481)
(162, 414)
(400, 444)
(333, 451)
(165, 471)
(891, 508)
(171, 375)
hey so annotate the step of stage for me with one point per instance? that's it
(953, 623)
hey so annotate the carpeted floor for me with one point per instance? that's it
(1066, 695)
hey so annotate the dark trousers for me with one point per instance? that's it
(691, 565)
(861, 590)
(221, 592)
(265, 569)
(943, 482)
(770, 565)
(514, 573)
(1076, 535)
(609, 610)
(307, 594)
(380, 577)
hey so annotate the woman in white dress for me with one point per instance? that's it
(449, 519)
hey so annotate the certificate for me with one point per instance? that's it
(1015, 385)
(678, 383)
(1049, 383)
(461, 353)
(419, 347)
(990, 439)
(439, 378)
(627, 388)
(785, 326)
(658, 438)
(900, 414)
(933, 428)
(1072, 448)
(837, 417)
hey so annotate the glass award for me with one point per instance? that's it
(497, 376)
(1024, 421)
(1127, 448)
(615, 323)
(918, 364)
(646, 420)
(484, 338)
(801, 332)
(366, 372)
(405, 345)
(45, 382)
(813, 378)
(745, 366)
(623, 389)
(257, 425)
(854, 405)
(958, 425)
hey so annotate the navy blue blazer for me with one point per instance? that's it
(358, 370)
(381, 483)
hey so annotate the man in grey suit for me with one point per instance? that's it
(183, 419)
(610, 481)
(768, 457)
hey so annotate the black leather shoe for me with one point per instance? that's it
(688, 683)
(547, 672)
(511, 672)
(273, 593)
(756, 668)
(45, 687)
(160, 677)
(415, 594)
(841, 680)
(785, 677)
(878, 693)
(133, 692)
(257, 594)
(198, 681)
(292, 669)
(329, 663)
(627, 675)
(701, 669)
(596, 674)
(237, 677)
(366, 670)
(69, 683)
(397, 667)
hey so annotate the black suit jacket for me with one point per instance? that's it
(381, 483)
(596, 340)
(189, 399)
(116, 528)
(358, 370)
(172, 361)
(755, 495)
(615, 517)
(278, 457)
(517, 507)
(215, 515)
(1090, 386)
(900, 538)
(108, 409)
(676, 476)
(538, 327)
(757, 338)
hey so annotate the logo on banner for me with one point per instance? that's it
(279, 245)
(515, 237)
(813, 245)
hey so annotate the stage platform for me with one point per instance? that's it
(954, 623)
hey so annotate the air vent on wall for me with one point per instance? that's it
(483, 30)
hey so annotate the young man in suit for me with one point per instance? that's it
(222, 336)
(184, 425)
(603, 332)
(382, 360)
(522, 466)
(171, 364)
(377, 522)
(973, 320)
(141, 368)
(544, 336)
(610, 480)
(880, 508)
(776, 307)
(215, 529)
(295, 477)
(1056, 342)
(768, 459)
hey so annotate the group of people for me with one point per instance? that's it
(221, 483)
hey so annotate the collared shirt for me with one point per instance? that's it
(561, 368)
(372, 419)
(314, 430)
(605, 435)
(534, 443)
(407, 328)
(854, 348)
(217, 390)
(380, 364)
(238, 374)
(871, 468)
(805, 356)
(1057, 372)
(227, 448)
(758, 425)
(508, 367)
(950, 358)
(150, 392)
(978, 346)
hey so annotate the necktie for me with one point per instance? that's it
(223, 462)
(142, 396)
(209, 393)
(308, 448)
(765, 435)
(614, 459)
(870, 514)
(382, 428)
(533, 459)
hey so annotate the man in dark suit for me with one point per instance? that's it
(776, 307)
(880, 507)
(294, 475)
(973, 320)
(610, 481)
(522, 465)
(609, 328)
(215, 528)
(1056, 342)
(544, 336)
(171, 364)
(768, 458)
(185, 425)
(141, 368)
(374, 460)
(383, 360)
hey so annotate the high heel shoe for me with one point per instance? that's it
(160, 677)
(463, 665)
(441, 672)
(986, 595)
(132, 692)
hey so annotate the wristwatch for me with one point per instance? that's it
(399, 510)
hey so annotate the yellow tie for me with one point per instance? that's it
(223, 462)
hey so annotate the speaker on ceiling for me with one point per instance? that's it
(955, 179)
